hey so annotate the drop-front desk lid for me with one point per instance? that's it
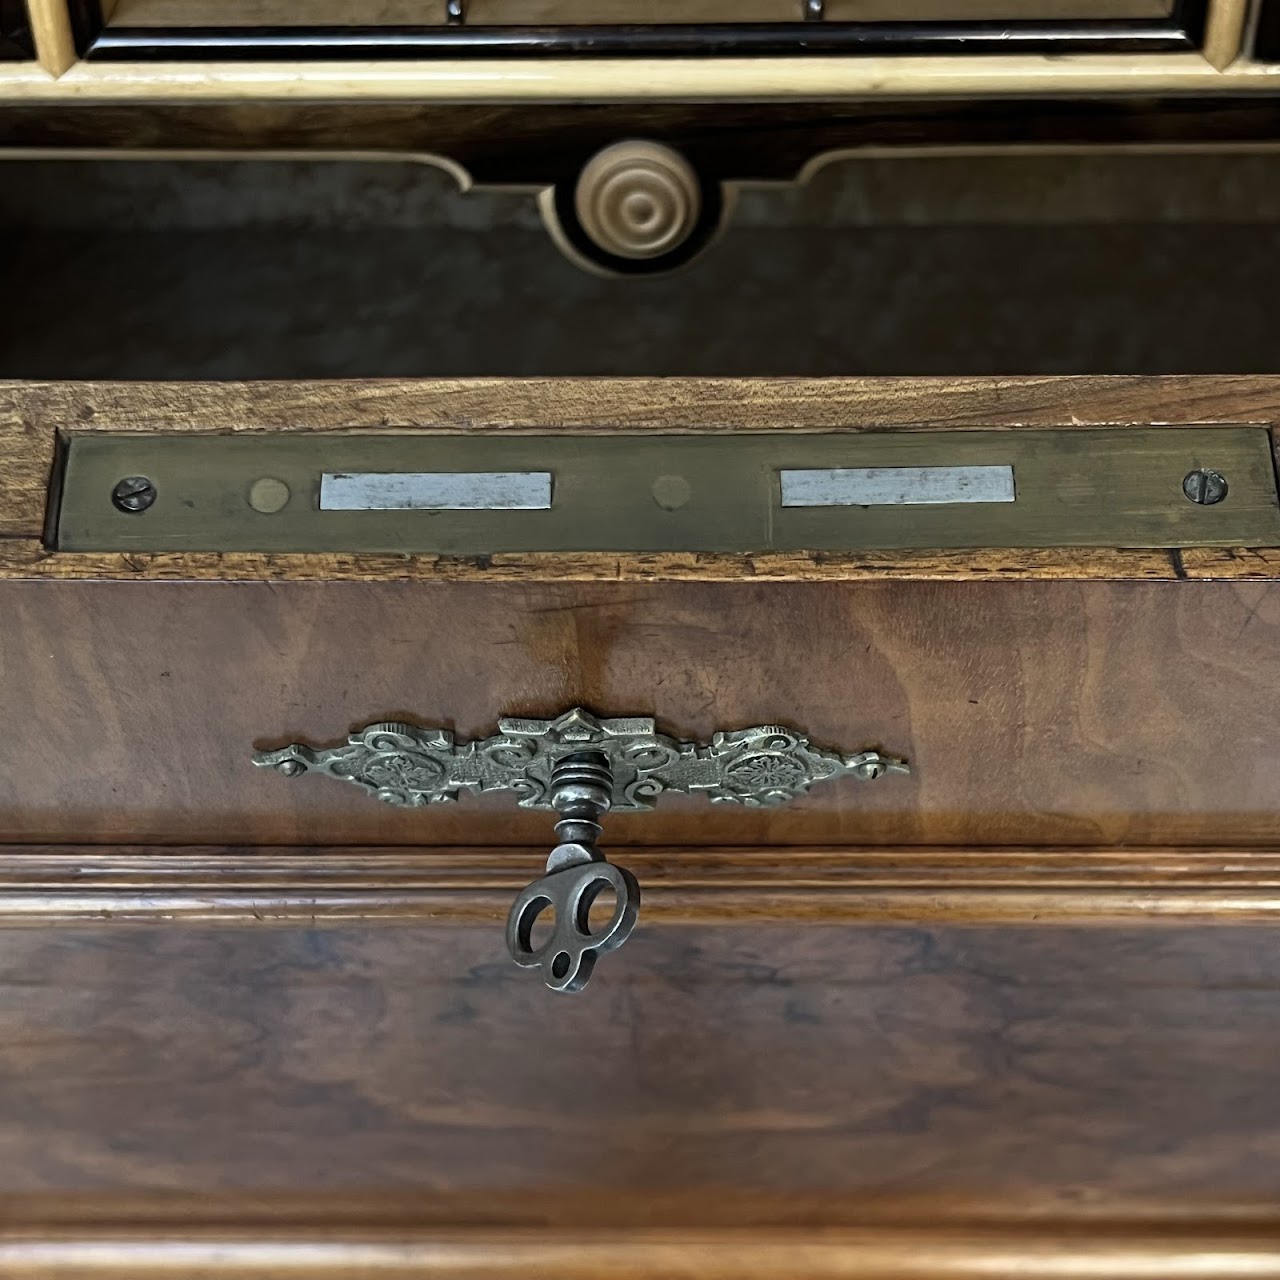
(917, 738)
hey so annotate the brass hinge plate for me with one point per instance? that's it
(785, 491)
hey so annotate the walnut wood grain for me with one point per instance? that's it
(28, 560)
(1077, 697)
(1006, 1069)
(61, 885)
(567, 404)
(1032, 713)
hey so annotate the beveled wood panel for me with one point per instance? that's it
(1010, 1069)
(1092, 713)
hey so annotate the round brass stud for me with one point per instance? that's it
(269, 495)
(671, 492)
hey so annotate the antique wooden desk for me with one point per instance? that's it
(1014, 1012)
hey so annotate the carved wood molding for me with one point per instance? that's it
(42, 885)
(579, 1236)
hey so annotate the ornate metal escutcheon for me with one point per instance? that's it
(579, 767)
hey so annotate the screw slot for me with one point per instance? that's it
(1204, 486)
(133, 494)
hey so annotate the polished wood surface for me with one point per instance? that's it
(66, 884)
(342, 1238)
(1092, 713)
(1056, 711)
(1007, 1068)
(923, 1027)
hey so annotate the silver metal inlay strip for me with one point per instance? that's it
(435, 491)
(896, 486)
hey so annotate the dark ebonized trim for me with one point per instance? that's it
(134, 44)
(16, 44)
(540, 145)
(1267, 39)
(1182, 31)
(86, 24)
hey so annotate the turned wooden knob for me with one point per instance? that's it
(638, 199)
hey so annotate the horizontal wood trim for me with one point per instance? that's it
(26, 559)
(645, 404)
(796, 1254)
(634, 79)
(580, 1234)
(51, 884)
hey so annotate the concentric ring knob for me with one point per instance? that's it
(638, 199)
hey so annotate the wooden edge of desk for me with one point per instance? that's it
(580, 1235)
(183, 1253)
(671, 404)
(43, 885)
(26, 559)
(34, 416)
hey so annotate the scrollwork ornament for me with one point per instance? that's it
(410, 766)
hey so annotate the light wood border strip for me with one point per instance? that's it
(51, 30)
(1224, 34)
(43, 885)
(653, 79)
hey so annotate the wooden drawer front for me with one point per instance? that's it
(217, 1054)
(1074, 713)
(780, 1104)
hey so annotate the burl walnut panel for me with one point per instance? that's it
(1074, 713)
(1092, 1067)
